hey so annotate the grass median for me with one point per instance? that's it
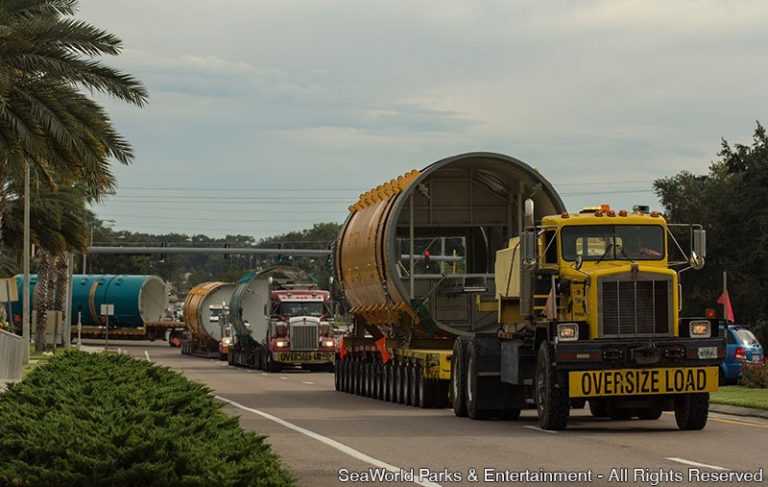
(108, 419)
(741, 396)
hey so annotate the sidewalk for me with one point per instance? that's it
(738, 411)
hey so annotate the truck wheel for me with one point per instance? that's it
(426, 391)
(336, 376)
(552, 403)
(389, 391)
(458, 378)
(270, 365)
(692, 410)
(472, 384)
(345, 375)
(358, 378)
(399, 383)
(649, 413)
(413, 382)
(370, 382)
(598, 408)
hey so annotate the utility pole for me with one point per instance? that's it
(25, 332)
(726, 298)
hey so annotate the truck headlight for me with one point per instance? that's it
(699, 329)
(568, 332)
(281, 344)
(226, 341)
(328, 343)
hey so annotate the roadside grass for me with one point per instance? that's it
(741, 396)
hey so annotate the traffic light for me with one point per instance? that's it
(426, 257)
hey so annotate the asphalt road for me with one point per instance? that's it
(318, 431)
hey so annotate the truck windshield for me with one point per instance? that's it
(613, 242)
(301, 308)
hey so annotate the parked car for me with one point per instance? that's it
(742, 347)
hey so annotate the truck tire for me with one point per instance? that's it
(400, 384)
(552, 403)
(270, 365)
(598, 408)
(368, 383)
(336, 376)
(389, 387)
(345, 375)
(458, 378)
(692, 410)
(413, 383)
(426, 390)
(475, 408)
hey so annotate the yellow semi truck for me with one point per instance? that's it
(470, 284)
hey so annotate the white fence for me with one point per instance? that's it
(11, 356)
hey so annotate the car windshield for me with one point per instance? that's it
(745, 337)
(301, 308)
(613, 242)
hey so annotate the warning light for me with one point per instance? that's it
(710, 313)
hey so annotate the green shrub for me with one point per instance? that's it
(755, 375)
(107, 419)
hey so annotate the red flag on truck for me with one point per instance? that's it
(342, 349)
(381, 344)
(728, 309)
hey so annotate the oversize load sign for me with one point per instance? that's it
(303, 356)
(632, 382)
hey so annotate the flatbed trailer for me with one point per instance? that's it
(150, 331)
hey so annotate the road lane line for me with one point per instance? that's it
(146, 354)
(539, 429)
(734, 421)
(264, 374)
(307, 382)
(324, 439)
(697, 464)
(283, 378)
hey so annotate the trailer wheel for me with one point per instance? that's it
(336, 376)
(692, 410)
(552, 403)
(413, 382)
(472, 384)
(368, 380)
(399, 396)
(458, 378)
(389, 383)
(344, 370)
(427, 390)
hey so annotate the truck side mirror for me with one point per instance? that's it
(700, 242)
(579, 262)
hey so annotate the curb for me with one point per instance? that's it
(738, 410)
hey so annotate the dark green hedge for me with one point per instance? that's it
(107, 419)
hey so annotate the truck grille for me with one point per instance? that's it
(304, 335)
(635, 307)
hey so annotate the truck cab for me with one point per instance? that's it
(597, 296)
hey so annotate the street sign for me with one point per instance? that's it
(107, 310)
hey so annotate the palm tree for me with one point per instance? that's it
(46, 59)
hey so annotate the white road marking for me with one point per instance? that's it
(264, 374)
(324, 439)
(697, 464)
(307, 382)
(539, 429)
(283, 378)
(146, 354)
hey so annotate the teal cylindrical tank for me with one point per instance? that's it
(137, 299)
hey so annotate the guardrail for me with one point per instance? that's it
(11, 356)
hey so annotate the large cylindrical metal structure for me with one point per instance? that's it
(197, 308)
(249, 307)
(137, 299)
(467, 206)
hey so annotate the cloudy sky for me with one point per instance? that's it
(268, 116)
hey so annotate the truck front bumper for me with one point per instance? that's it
(600, 368)
(301, 358)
